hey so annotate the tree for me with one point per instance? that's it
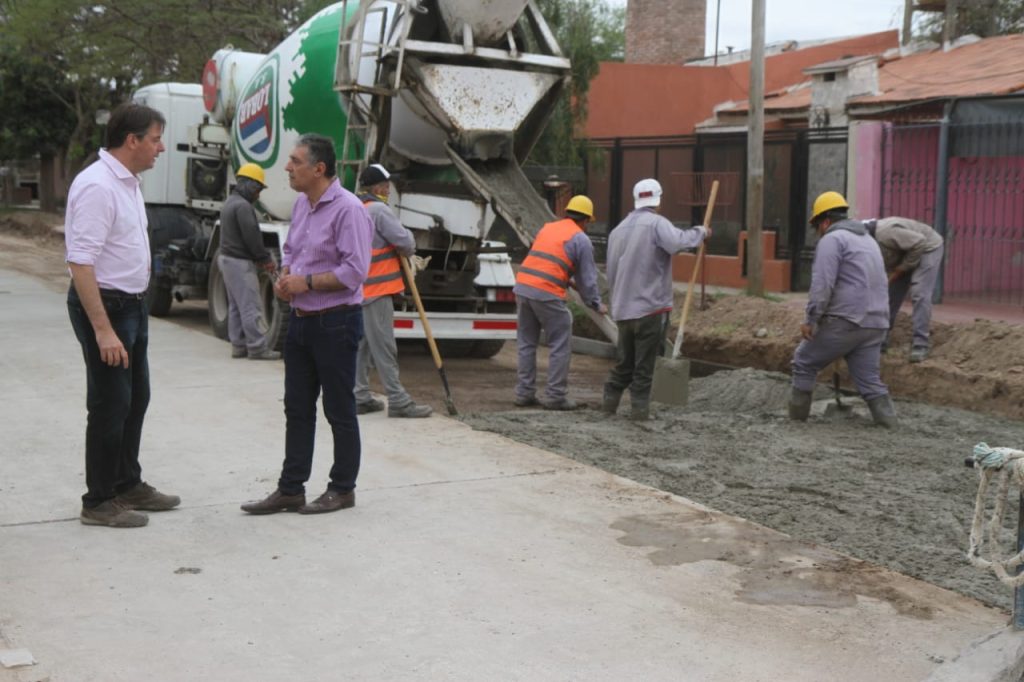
(984, 18)
(589, 32)
(99, 52)
(33, 118)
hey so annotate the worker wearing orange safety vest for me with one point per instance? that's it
(560, 255)
(391, 241)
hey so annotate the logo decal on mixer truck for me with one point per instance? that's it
(255, 121)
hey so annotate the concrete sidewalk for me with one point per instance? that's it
(468, 557)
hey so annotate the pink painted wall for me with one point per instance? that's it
(866, 176)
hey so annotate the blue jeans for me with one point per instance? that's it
(320, 352)
(116, 398)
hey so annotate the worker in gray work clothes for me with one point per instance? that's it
(639, 269)
(241, 253)
(847, 311)
(391, 241)
(561, 253)
(912, 252)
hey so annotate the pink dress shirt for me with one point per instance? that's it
(105, 226)
(334, 235)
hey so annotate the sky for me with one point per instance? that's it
(799, 20)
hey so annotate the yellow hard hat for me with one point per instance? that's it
(827, 201)
(581, 204)
(253, 172)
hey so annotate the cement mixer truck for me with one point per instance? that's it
(450, 94)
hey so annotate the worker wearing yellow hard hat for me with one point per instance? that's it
(847, 311)
(240, 256)
(561, 256)
(253, 172)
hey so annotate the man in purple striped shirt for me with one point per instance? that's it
(326, 259)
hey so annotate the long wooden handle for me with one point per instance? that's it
(678, 346)
(419, 308)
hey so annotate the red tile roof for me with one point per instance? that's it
(994, 66)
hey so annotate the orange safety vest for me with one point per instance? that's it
(385, 276)
(547, 267)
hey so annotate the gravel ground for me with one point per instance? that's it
(899, 498)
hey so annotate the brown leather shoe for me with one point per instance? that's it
(330, 501)
(276, 502)
(147, 498)
(113, 514)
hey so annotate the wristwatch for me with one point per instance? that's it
(309, 282)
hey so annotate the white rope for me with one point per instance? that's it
(1004, 463)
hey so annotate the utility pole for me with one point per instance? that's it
(908, 21)
(949, 23)
(755, 154)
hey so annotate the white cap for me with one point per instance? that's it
(647, 193)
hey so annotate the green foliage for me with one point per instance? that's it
(589, 32)
(34, 118)
(985, 18)
(99, 52)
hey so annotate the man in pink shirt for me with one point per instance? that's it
(109, 259)
(325, 261)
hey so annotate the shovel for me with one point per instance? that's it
(672, 375)
(838, 409)
(448, 402)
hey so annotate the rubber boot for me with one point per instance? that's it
(610, 401)
(799, 405)
(640, 410)
(883, 412)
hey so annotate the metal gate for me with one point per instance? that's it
(980, 205)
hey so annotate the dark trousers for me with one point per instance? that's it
(641, 341)
(116, 398)
(320, 353)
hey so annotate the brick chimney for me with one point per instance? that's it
(664, 31)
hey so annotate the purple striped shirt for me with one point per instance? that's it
(334, 235)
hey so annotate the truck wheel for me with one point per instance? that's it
(217, 299)
(158, 300)
(275, 311)
(487, 349)
(455, 348)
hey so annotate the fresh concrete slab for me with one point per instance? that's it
(468, 556)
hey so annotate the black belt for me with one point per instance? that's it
(115, 293)
(333, 309)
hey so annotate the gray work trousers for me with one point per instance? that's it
(246, 326)
(556, 321)
(837, 338)
(920, 282)
(378, 348)
(641, 341)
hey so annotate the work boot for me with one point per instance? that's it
(147, 498)
(113, 514)
(275, 502)
(332, 500)
(410, 411)
(239, 352)
(560, 405)
(265, 354)
(883, 411)
(918, 354)
(528, 401)
(371, 405)
(640, 410)
(610, 400)
(799, 405)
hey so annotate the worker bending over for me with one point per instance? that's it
(639, 269)
(560, 255)
(391, 241)
(912, 252)
(847, 311)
